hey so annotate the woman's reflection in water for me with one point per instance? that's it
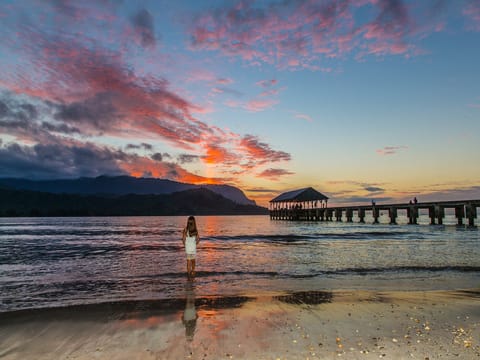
(190, 314)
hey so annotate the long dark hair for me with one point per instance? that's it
(191, 226)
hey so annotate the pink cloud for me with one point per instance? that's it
(233, 103)
(224, 81)
(274, 174)
(472, 13)
(271, 92)
(206, 108)
(266, 83)
(302, 34)
(303, 117)
(259, 104)
(390, 150)
(88, 84)
(201, 75)
(475, 105)
(226, 90)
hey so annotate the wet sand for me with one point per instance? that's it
(302, 325)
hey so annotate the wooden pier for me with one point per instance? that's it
(464, 209)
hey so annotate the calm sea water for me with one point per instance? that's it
(46, 262)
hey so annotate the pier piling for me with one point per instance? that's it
(471, 211)
(375, 214)
(392, 212)
(440, 214)
(431, 214)
(361, 215)
(459, 214)
(338, 214)
(349, 215)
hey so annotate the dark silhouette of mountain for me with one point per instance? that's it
(199, 201)
(120, 185)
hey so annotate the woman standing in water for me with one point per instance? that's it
(190, 240)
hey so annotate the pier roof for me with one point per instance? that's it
(306, 194)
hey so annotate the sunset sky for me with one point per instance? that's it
(360, 99)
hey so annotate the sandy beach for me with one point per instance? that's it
(302, 325)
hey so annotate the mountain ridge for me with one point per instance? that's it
(121, 185)
(199, 201)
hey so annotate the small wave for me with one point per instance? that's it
(77, 233)
(259, 237)
(237, 273)
(54, 252)
(410, 269)
(369, 235)
(198, 274)
(380, 270)
(270, 274)
(294, 238)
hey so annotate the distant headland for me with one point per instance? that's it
(120, 196)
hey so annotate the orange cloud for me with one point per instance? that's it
(144, 167)
(216, 154)
(261, 152)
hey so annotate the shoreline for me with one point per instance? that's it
(351, 324)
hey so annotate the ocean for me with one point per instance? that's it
(58, 262)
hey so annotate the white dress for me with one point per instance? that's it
(190, 245)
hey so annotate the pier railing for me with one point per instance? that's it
(464, 209)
